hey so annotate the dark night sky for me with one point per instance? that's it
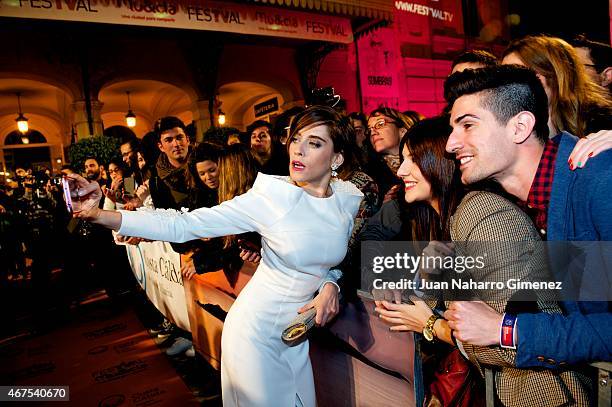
(562, 18)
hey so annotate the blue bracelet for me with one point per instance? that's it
(507, 334)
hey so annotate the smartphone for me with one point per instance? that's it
(248, 245)
(70, 192)
(129, 185)
(66, 190)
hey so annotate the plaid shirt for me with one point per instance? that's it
(538, 199)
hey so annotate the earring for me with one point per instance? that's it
(334, 167)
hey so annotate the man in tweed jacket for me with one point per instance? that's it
(499, 118)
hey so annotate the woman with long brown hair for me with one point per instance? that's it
(576, 104)
(238, 170)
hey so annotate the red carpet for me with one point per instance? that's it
(106, 359)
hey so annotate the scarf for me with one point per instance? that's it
(179, 180)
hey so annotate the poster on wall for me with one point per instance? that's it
(404, 65)
(378, 63)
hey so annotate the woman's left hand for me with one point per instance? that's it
(326, 304)
(405, 317)
(589, 147)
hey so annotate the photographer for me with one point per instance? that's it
(38, 219)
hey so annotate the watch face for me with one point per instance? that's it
(428, 334)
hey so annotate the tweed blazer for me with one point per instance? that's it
(483, 218)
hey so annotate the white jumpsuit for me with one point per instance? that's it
(302, 238)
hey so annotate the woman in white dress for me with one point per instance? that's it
(305, 221)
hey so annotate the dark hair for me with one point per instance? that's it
(283, 121)
(426, 142)
(119, 133)
(203, 152)
(191, 131)
(132, 141)
(148, 149)
(91, 157)
(168, 123)
(232, 131)
(506, 91)
(359, 116)
(600, 53)
(118, 162)
(475, 56)
(206, 151)
(340, 129)
(259, 123)
(399, 119)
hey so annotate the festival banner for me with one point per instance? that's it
(204, 15)
(157, 269)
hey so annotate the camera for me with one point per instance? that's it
(57, 181)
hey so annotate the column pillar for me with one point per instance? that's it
(201, 117)
(81, 122)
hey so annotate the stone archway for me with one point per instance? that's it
(47, 107)
(238, 99)
(149, 100)
(27, 150)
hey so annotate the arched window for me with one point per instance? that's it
(33, 137)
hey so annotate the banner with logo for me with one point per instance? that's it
(158, 270)
(208, 15)
(415, 20)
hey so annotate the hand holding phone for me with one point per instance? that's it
(81, 195)
(71, 195)
(248, 245)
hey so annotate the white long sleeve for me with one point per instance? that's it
(269, 200)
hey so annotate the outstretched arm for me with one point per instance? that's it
(252, 211)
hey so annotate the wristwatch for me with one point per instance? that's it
(428, 332)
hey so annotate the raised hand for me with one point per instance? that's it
(589, 147)
(88, 194)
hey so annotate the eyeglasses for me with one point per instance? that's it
(126, 154)
(379, 124)
(115, 171)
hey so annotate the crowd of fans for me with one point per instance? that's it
(422, 180)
